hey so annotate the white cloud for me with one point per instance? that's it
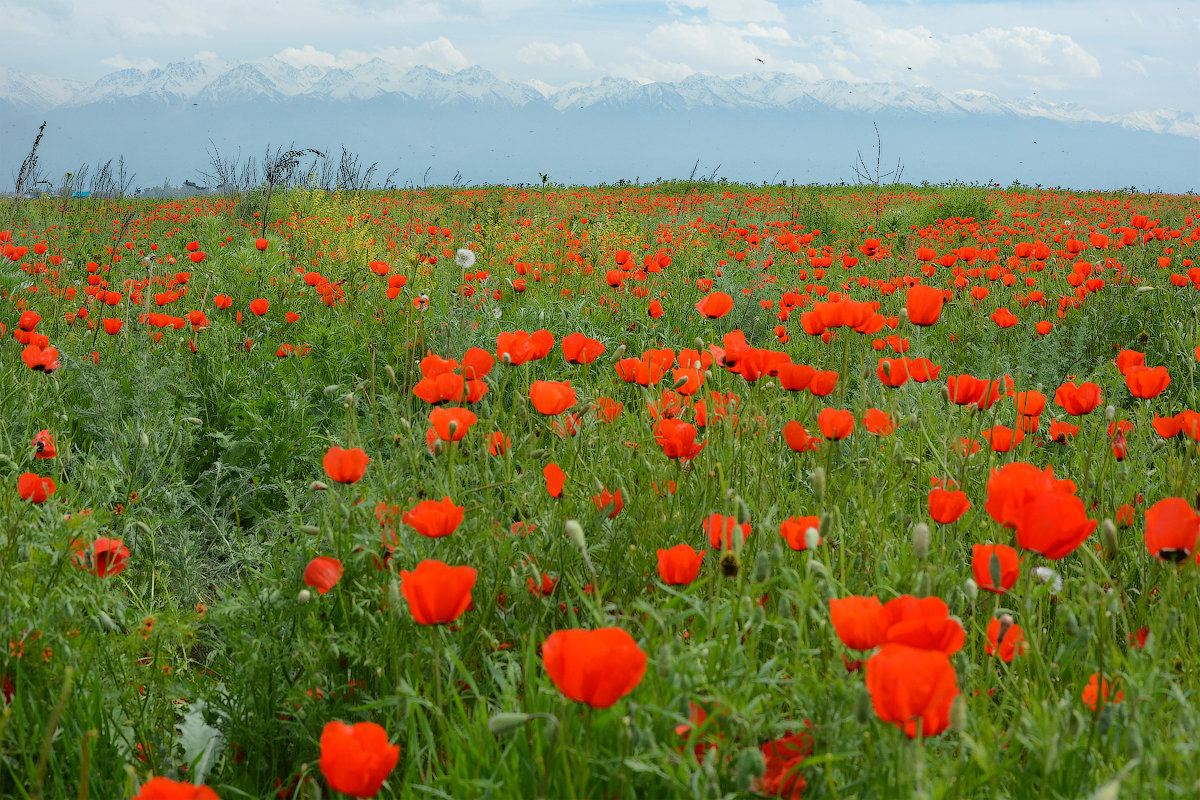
(572, 55)
(439, 54)
(734, 10)
(119, 61)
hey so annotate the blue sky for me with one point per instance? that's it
(1107, 56)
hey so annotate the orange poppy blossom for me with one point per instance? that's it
(995, 567)
(924, 304)
(1100, 691)
(794, 531)
(595, 667)
(677, 439)
(679, 565)
(797, 437)
(947, 505)
(912, 689)
(715, 305)
(1005, 639)
(1172, 528)
(1078, 400)
(720, 530)
(835, 424)
(104, 558)
(555, 477)
(579, 349)
(345, 466)
(35, 488)
(552, 397)
(452, 424)
(160, 788)
(434, 518)
(323, 573)
(1147, 382)
(356, 759)
(437, 593)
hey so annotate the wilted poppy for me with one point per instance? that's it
(356, 759)
(323, 573)
(434, 518)
(1172, 528)
(437, 593)
(912, 689)
(596, 667)
(345, 466)
(35, 488)
(679, 565)
(160, 788)
(996, 567)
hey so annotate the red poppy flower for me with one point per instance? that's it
(924, 304)
(1172, 528)
(1053, 524)
(222, 301)
(823, 383)
(892, 372)
(946, 506)
(356, 759)
(579, 349)
(259, 307)
(1147, 382)
(159, 788)
(477, 363)
(452, 424)
(1061, 431)
(1001, 438)
(43, 445)
(856, 621)
(609, 503)
(514, 348)
(498, 443)
(715, 305)
(922, 622)
(112, 326)
(35, 488)
(41, 359)
(434, 518)
(782, 759)
(797, 437)
(261, 244)
(594, 667)
(1129, 358)
(1012, 486)
(679, 565)
(879, 423)
(677, 439)
(323, 573)
(1099, 691)
(720, 530)
(437, 593)
(835, 424)
(554, 479)
(104, 558)
(794, 531)
(912, 689)
(1010, 646)
(1030, 403)
(1078, 400)
(552, 397)
(345, 466)
(996, 567)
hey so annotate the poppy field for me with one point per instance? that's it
(687, 490)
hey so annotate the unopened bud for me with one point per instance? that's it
(331, 390)
(920, 541)
(958, 714)
(741, 510)
(812, 538)
(348, 400)
(762, 566)
(863, 707)
(1108, 535)
(1110, 413)
(391, 373)
(698, 343)
(971, 590)
(304, 596)
(945, 393)
(904, 314)
(680, 381)
(404, 423)
(574, 532)
(731, 564)
(145, 439)
(311, 530)
(143, 527)
(817, 479)
(751, 764)
(193, 421)
(452, 427)
(619, 353)
(317, 486)
(506, 722)
(816, 567)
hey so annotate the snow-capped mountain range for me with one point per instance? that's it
(272, 80)
(474, 126)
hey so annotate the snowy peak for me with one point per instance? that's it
(37, 91)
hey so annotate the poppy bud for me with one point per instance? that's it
(404, 423)
(826, 526)
(751, 765)
(145, 439)
(391, 373)
(812, 538)
(946, 393)
(311, 530)
(574, 532)
(665, 662)
(317, 486)
(348, 400)
(394, 596)
(817, 479)
(304, 596)
(762, 567)
(971, 589)
(958, 714)
(815, 565)
(193, 421)
(920, 541)
(619, 353)
(862, 707)
(506, 721)
(742, 510)
(1110, 413)
(143, 527)
(1108, 535)
(904, 314)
